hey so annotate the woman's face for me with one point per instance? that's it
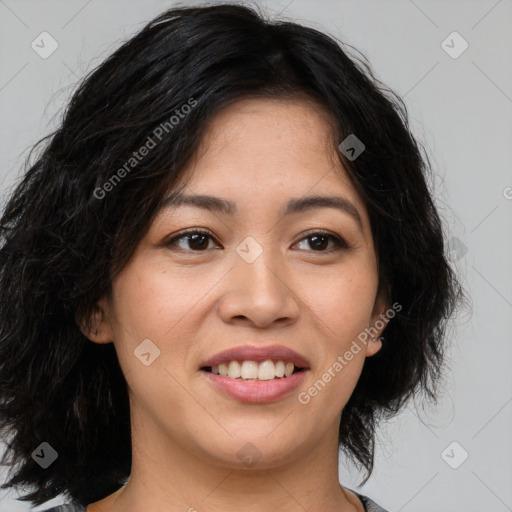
(267, 273)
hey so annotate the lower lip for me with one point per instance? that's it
(256, 391)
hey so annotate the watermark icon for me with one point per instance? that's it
(454, 45)
(44, 455)
(146, 352)
(304, 397)
(151, 141)
(351, 147)
(44, 45)
(454, 455)
(249, 454)
(507, 192)
(249, 249)
(456, 249)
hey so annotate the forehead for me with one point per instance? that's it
(267, 159)
(270, 143)
(286, 125)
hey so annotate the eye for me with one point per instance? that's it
(196, 239)
(319, 240)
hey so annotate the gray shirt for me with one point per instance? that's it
(74, 506)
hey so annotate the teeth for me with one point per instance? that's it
(249, 370)
(288, 369)
(234, 370)
(266, 370)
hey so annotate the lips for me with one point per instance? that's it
(258, 354)
(255, 392)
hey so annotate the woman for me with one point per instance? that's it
(224, 266)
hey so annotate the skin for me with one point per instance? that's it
(192, 303)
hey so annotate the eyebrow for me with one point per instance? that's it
(293, 206)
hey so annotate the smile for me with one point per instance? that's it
(253, 389)
(247, 370)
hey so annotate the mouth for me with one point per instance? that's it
(250, 388)
(256, 373)
(249, 370)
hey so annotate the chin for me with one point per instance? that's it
(254, 450)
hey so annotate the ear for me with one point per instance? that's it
(98, 327)
(379, 321)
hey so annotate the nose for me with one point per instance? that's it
(259, 293)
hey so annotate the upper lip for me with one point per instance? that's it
(258, 353)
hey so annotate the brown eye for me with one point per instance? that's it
(319, 241)
(196, 240)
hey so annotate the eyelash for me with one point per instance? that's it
(340, 244)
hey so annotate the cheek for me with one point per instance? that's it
(150, 300)
(168, 307)
(147, 306)
(343, 302)
(342, 307)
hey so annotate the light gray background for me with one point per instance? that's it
(460, 108)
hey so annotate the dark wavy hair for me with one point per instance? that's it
(70, 226)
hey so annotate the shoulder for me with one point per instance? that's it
(74, 506)
(369, 504)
